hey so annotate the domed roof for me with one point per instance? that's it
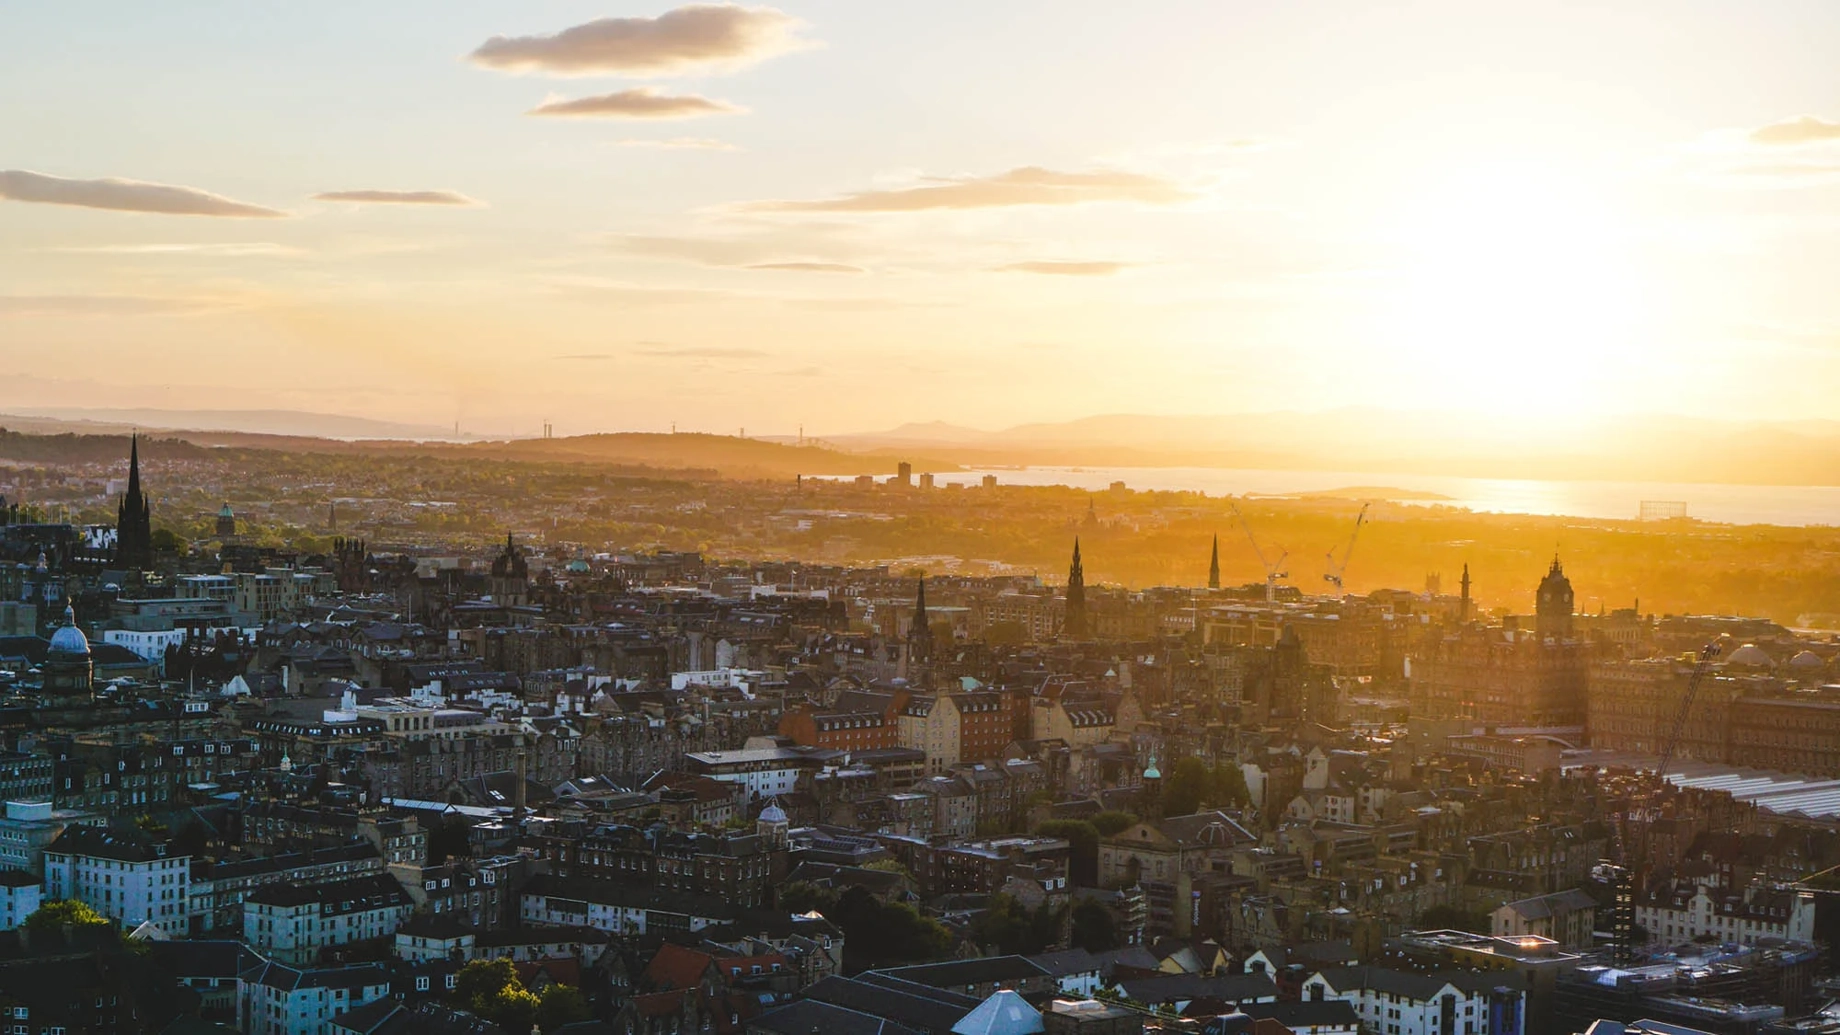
(1807, 659)
(69, 639)
(1749, 656)
(1150, 771)
(225, 510)
(578, 565)
(773, 813)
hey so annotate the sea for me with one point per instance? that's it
(1799, 505)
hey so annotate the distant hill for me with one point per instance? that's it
(692, 455)
(260, 422)
(1372, 440)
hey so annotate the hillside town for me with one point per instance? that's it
(393, 783)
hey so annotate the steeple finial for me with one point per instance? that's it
(1214, 565)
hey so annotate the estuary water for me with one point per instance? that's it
(1606, 500)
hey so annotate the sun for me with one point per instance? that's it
(1516, 286)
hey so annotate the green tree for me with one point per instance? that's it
(1229, 784)
(1111, 822)
(877, 933)
(1186, 786)
(559, 1005)
(1015, 929)
(479, 981)
(1094, 929)
(64, 912)
(1083, 852)
(513, 1008)
(803, 897)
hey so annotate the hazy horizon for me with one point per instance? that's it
(851, 217)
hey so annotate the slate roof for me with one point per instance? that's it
(809, 1015)
(958, 973)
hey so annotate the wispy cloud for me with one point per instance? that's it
(1804, 129)
(776, 251)
(100, 305)
(696, 38)
(681, 144)
(1029, 185)
(1065, 269)
(125, 196)
(640, 102)
(807, 267)
(229, 249)
(399, 197)
(701, 352)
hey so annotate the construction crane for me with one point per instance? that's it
(1273, 568)
(1622, 872)
(1339, 568)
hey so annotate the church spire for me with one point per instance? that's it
(134, 517)
(1074, 626)
(920, 640)
(1214, 565)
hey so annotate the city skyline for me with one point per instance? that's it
(849, 218)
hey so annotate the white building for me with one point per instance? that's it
(765, 772)
(124, 875)
(291, 923)
(1682, 912)
(150, 645)
(280, 1000)
(1391, 1002)
(607, 906)
(20, 896)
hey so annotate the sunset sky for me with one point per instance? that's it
(847, 214)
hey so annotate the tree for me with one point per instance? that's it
(1083, 853)
(559, 1005)
(1111, 822)
(1094, 929)
(877, 933)
(1229, 784)
(1187, 784)
(513, 1008)
(476, 983)
(64, 912)
(1015, 929)
(803, 897)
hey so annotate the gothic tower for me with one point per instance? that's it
(226, 522)
(1214, 566)
(920, 642)
(134, 518)
(1074, 626)
(1463, 611)
(510, 576)
(1553, 607)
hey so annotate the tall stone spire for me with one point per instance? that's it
(1214, 566)
(1463, 612)
(134, 517)
(1074, 627)
(920, 641)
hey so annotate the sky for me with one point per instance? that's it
(843, 216)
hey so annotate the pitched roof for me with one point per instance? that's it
(677, 967)
(1004, 1013)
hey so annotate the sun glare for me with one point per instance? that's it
(1503, 272)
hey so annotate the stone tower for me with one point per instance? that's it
(1074, 625)
(1553, 608)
